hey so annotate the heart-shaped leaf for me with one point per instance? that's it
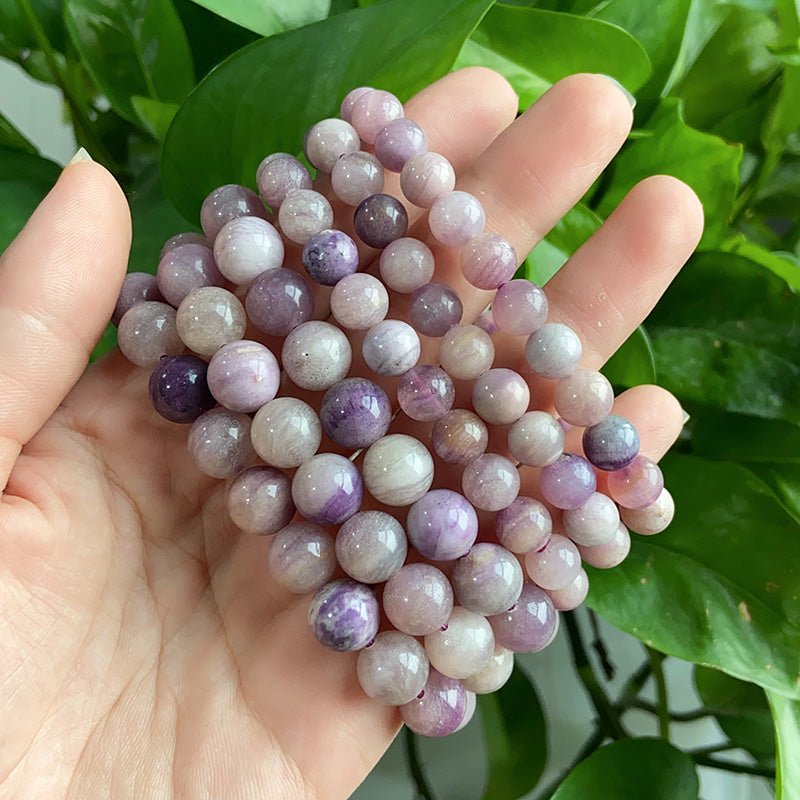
(786, 715)
(267, 17)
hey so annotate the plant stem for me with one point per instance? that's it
(635, 683)
(589, 746)
(662, 706)
(675, 716)
(423, 788)
(599, 647)
(729, 766)
(700, 752)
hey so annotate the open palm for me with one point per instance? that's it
(144, 651)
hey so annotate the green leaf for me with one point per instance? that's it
(132, 48)
(716, 587)
(154, 115)
(634, 362)
(784, 265)
(16, 33)
(534, 48)
(253, 110)
(786, 715)
(267, 17)
(12, 138)
(708, 164)
(515, 735)
(738, 437)
(631, 769)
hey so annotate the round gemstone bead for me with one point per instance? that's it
(359, 302)
(488, 261)
(178, 388)
(137, 287)
(488, 579)
(406, 264)
(303, 213)
(463, 646)
(612, 443)
(346, 109)
(455, 218)
(301, 557)
(494, 675)
(327, 489)
(397, 470)
(148, 331)
(519, 307)
(536, 439)
(469, 711)
(500, 396)
(371, 546)
(245, 247)
(638, 484)
(226, 203)
(329, 256)
(189, 237)
(556, 565)
(568, 482)
(490, 482)
(553, 351)
(356, 176)
(530, 625)
(418, 599)
(209, 318)
(651, 519)
(426, 177)
(572, 595)
(260, 500)
(184, 269)
(442, 525)
(610, 553)
(466, 352)
(380, 219)
(243, 375)
(344, 615)
(393, 669)
(355, 413)
(372, 111)
(329, 139)
(219, 443)
(278, 301)
(434, 309)
(584, 398)
(391, 347)
(439, 709)
(486, 321)
(279, 174)
(592, 523)
(399, 140)
(524, 525)
(316, 355)
(459, 436)
(286, 432)
(425, 393)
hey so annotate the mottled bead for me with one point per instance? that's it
(329, 139)
(592, 523)
(425, 393)
(278, 301)
(494, 675)
(488, 579)
(488, 261)
(500, 396)
(583, 398)
(426, 177)
(371, 546)
(610, 553)
(530, 625)
(418, 599)
(219, 443)
(463, 646)
(137, 287)
(397, 470)
(612, 443)
(373, 110)
(243, 375)
(638, 484)
(355, 413)
(442, 525)
(279, 174)
(568, 482)
(209, 318)
(439, 709)
(459, 436)
(455, 218)
(178, 388)
(398, 141)
(189, 237)
(406, 264)
(301, 557)
(184, 269)
(391, 347)
(327, 489)
(344, 615)
(316, 355)
(524, 525)
(519, 307)
(359, 302)
(466, 352)
(356, 176)
(651, 519)
(553, 351)
(434, 309)
(148, 331)
(346, 108)
(572, 595)
(303, 213)
(245, 247)
(226, 203)
(380, 219)
(490, 482)
(394, 669)
(286, 432)
(536, 439)
(555, 565)
(259, 500)
(329, 256)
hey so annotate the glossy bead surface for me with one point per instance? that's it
(189, 237)
(358, 302)
(530, 625)
(434, 309)
(524, 525)
(346, 108)
(391, 347)
(303, 213)
(373, 110)
(209, 318)
(426, 177)
(584, 398)
(455, 218)
(356, 176)
(243, 375)
(553, 351)
(418, 599)
(279, 174)
(279, 300)
(371, 546)
(494, 675)
(327, 140)
(380, 219)
(259, 500)
(399, 140)
(490, 482)
(148, 331)
(439, 709)
(488, 261)
(397, 470)
(184, 269)
(344, 615)
(219, 443)
(568, 482)
(610, 553)
(137, 287)
(301, 557)
(488, 579)
(463, 646)
(466, 352)
(572, 595)
(442, 525)
(226, 203)
(460, 436)
(536, 439)
(329, 256)
(651, 519)
(394, 669)
(593, 522)
(245, 247)
(406, 264)
(178, 388)
(636, 485)
(555, 565)
(612, 443)
(355, 413)
(519, 307)
(286, 432)
(425, 393)
(500, 396)
(316, 355)
(327, 489)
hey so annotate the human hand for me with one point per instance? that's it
(145, 653)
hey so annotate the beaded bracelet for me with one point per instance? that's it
(489, 607)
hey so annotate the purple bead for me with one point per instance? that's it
(379, 220)
(327, 489)
(426, 393)
(184, 269)
(638, 484)
(442, 525)
(488, 579)
(138, 287)
(346, 109)
(344, 615)
(355, 413)
(279, 300)
(530, 625)
(488, 261)
(434, 309)
(440, 707)
(278, 175)
(372, 111)
(329, 256)
(189, 237)
(455, 218)
(226, 203)
(396, 142)
(178, 388)
(243, 375)
(519, 307)
(568, 482)
(611, 444)
(524, 525)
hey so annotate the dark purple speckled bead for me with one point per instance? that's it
(611, 444)
(178, 388)
(344, 615)
(528, 626)
(434, 309)
(355, 413)
(329, 256)
(380, 219)
(279, 300)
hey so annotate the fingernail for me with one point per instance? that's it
(686, 416)
(81, 155)
(631, 98)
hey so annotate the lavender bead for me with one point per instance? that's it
(178, 388)
(226, 203)
(638, 484)
(426, 393)
(379, 220)
(555, 565)
(247, 246)
(210, 317)
(455, 218)
(316, 355)
(459, 436)
(260, 500)
(466, 352)
(329, 139)
(568, 482)
(434, 309)
(355, 413)
(594, 522)
(520, 307)
(219, 443)
(610, 553)
(488, 579)
(418, 599)
(148, 331)
(442, 525)
(462, 647)
(301, 557)
(501, 396)
(398, 141)
(486, 322)
(651, 519)
(279, 174)
(327, 489)
(530, 625)
(524, 525)
(394, 669)
(344, 615)
(189, 237)
(329, 256)
(303, 213)
(184, 269)
(490, 482)
(406, 264)
(372, 111)
(346, 109)
(138, 287)
(397, 470)
(356, 176)
(583, 398)
(371, 546)
(553, 351)
(494, 675)
(439, 709)
(391, 347)
(572, 595)
(278, 301)
(243, 375)
(286, 432)
(426, 177)
(536, 439)
(488, 261)
(611, 444)
(359, 302)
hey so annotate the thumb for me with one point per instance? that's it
(59, 280)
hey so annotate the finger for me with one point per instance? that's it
(59, 280)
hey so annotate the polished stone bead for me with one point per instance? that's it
(530, 625)
(418, 599)
(286, 432)
(555, 565)
(434, 309)
(520, 307)
(184, 269)
(189, 237)
(490, 482)
(398, 141)
(279, 300)
(209, 318)
(553, 351)
(425, 393)
(442, 525)
(439, 709)
(359, 301)
(463, 646)
(459, 437)
(394, 669)
(137, 287)
(327, 489)
(406, 264)
(583, 398)
(327, 140)
(178, 388)
(494, 675)
(380, 219)
(651, 519)
(536, 439)
(259, 500)
(219, 443)
(279, 174)
(301, 557)
(466, 352)
(455, 218)
(501, 396)
(636, 485)
(344, 615)
(610, 553)
(247, 246)
(488, 261)
(148, 331)
(226, 203)
(243, 375)
(612, 443)
(391, 347)
(355, 413)
(594, 522)
(488, 579)
(568, 482)
(524, 525)
(329, 256)
(371, 546)
(356, 176)
(397, 470)
(372, 111)
(572, 595)
(303, 213)
(426, 177)
(316, 355)
(346, 108)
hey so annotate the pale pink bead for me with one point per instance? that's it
(594, 522)
(418, 599)
(260, 500)
(500, 396)
(327, 140)
(553, 351)
(488, 261)
(277, 175)
(219, 443)
(572, 595)
(608, 554)
(359, 301)
(466, 352)
(637, 485)
(247, 246)
(519, 307)
(346, 108)
(372, 110)
(524, 525)
(301, 557)
(393, 669)
(303, 213)
(426, 177)
(471, 706)
(406, 264)
(494, 675)
(536, 439)
(455, 218)
(583, 398)
(357, 176)
(148, 331)
(653, 518)
(209, 318)
(463, 646)
(490, 482)
(555, 565)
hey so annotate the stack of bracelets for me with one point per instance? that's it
(471, 595)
